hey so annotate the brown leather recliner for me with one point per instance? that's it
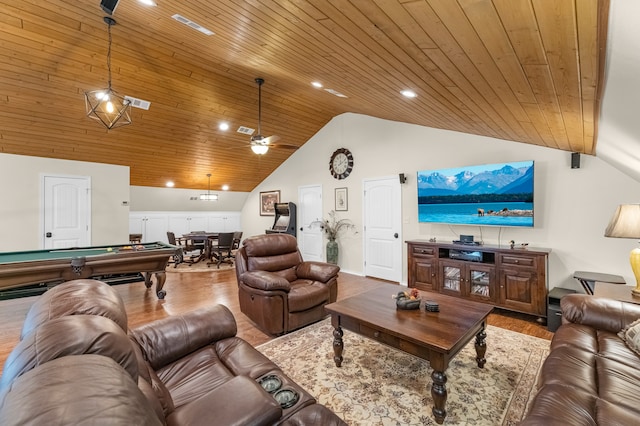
(277, 289)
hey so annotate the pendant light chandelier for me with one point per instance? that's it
(209, 196)
(106, 105)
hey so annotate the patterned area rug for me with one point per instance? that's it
(379, 385)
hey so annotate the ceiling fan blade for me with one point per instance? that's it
(270, 139)
(284, 146)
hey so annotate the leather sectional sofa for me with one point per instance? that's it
(591, 376)
(78, 363)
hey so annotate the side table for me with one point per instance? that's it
(616, 291)
(554, 313)
(588, 279)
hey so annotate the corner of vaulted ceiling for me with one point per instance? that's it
(619, 126)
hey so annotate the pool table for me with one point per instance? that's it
(57, 265)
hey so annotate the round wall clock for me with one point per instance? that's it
(341, 163)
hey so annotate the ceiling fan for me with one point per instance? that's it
(260, 144)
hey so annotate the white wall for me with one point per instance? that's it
(619, 127)
(20, 181)
(145, 198)
(572, 206)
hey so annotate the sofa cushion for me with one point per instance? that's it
(77, 297)
(631, 336)
(560, 405)
(306, 294)
(194, 375)
(239, 402)
(618, 383)
(70, 335)
(73, 390)
(242, 359)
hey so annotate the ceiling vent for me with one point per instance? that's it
(192, 24)
(245, 130)
(138, 103)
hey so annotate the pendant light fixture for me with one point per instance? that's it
(106, 105)
(209, 196)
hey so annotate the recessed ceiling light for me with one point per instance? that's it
(148, 2)
(225, 187)
(316, 84)
(170, 184)
(223, 126)
(409, 93)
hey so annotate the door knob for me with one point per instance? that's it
(301, 228)
(48, 235)
(395, 235)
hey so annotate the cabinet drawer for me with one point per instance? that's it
(508, 259)
(379, 336)
(423, 251)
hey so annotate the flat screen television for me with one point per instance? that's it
(490, 194)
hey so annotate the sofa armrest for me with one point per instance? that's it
(169, 339)
(264, 280)
(240, 401)
(317, 271)
(597, 312)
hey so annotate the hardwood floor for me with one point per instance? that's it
(192, 290)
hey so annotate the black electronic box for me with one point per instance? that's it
(469, 255)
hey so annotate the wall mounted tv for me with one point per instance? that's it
(489, 194)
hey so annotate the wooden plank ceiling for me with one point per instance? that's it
(522, 70)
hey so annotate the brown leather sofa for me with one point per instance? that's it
(277, 289)
(77, 363)
(591, 377)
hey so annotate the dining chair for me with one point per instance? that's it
(222, 250)
(186, 245)
(237, 237)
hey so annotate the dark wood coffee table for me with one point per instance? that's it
(434, 336)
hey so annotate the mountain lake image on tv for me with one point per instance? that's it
(489, 194)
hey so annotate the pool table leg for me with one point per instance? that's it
(161, 277)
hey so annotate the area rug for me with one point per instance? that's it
(379, 385)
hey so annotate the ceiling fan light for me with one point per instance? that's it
(259, 149)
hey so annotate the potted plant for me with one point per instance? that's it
(333, 227)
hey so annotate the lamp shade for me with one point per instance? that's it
(625, 222)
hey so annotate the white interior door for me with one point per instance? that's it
(66, 214)
(383, 228)
(310, 210)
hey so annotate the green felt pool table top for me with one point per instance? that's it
(52, 254)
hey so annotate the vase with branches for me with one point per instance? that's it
(333, 228)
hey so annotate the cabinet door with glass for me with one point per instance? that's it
(452, 275)
(481, 282)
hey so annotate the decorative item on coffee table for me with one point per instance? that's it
(407, 300)
(431, 306)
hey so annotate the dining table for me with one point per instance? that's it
(207, 239)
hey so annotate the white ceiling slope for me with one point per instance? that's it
(619, 130)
